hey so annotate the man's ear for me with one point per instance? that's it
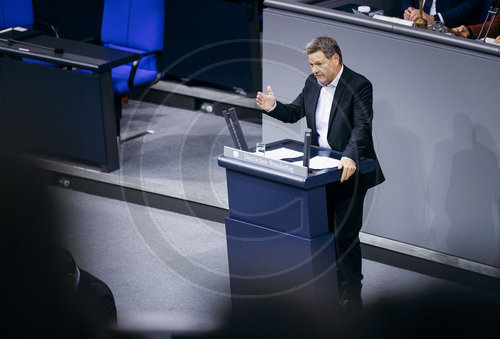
(336, 58)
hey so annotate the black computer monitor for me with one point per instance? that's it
(235, 129)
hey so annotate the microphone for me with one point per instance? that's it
(493, 11)
(13, 41)
(420, 22)
(307, 148)
(495, 4)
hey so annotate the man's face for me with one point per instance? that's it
(324, 69)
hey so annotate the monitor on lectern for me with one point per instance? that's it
(235, 129)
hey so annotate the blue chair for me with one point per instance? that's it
(16, 13)
(135, 26)
(20, 13)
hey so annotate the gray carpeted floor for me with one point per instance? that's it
(180, 158)
(168, 270)
(165, 267)
(154, 261)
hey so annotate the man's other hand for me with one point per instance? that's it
(348, 168)
(460, 31)
(266, 101)
(497, 40)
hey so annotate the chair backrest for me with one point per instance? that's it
(16, 13)
(138, 24)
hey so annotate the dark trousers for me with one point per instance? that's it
(345, 218)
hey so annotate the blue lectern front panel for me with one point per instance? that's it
(263, 262)
(277, 206)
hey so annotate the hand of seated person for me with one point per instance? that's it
(497, 40)
(415, 13)
(460, 31)
(407, 13)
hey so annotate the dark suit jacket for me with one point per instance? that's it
(454, 12)
(98, 297)
(350, 125)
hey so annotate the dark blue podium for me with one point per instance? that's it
(277, 233)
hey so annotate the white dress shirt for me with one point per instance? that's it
(433, 11)
(77, 282)
(324, 108)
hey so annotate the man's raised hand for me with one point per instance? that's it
(266, 101)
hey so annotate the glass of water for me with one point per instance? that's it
(437, 26)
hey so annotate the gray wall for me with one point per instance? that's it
(436, 130)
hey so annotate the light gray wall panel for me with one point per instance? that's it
(436, 130)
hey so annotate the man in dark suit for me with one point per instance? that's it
(93, 294)
(337, 104)
(451, 13)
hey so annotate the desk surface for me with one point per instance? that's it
(75, 53)
(314, 179)
(301, 7)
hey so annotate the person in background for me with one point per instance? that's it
(472, 31)
(35, 302)
(94, 293)
(450, 13)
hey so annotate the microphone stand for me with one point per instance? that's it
(420, 22)
(493, 11)
(307, 148)
(13, 41)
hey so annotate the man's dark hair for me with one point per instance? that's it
(65, 261)
(325, 44)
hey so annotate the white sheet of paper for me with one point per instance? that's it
(490, 41)
(393, 20)
(282, 153)
(17, 28)
(318, 163)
